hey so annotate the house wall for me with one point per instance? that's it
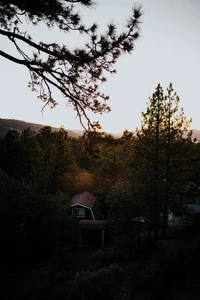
(192, 201)
(194, 207)
(88, 215)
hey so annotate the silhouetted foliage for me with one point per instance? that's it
(76, 72)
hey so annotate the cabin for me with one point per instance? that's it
(86, 207)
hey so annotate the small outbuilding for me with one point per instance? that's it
(86, 207)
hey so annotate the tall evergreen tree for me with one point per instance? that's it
(66, 169)
(115, 153)
(47, 139)
(11, 159)
(159, 154)
(32, 154)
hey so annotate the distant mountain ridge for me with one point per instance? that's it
(6, 124)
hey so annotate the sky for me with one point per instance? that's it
(168, 51)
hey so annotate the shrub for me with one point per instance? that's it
(95, 285)
(147, 277)
(166, 252)
(106, 257)
(169, 255)
(125, 244)
(63, 275)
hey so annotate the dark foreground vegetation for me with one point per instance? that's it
(138, 179)
(166, 269)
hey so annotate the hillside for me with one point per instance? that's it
(6, 124)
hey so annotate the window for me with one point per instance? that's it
(78, 212)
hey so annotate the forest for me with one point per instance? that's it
(138, 179)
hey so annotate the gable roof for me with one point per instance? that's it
(87, 199)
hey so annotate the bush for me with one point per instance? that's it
(169, 255)
(106, 257)
(147, 277)
(166, 252)
(95, 285)
(126, 245)
(63, 275)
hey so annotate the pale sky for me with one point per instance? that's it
(167, 51)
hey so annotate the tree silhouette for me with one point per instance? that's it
(77, 72)
(161, 152)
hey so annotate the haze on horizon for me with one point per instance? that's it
(168, 51)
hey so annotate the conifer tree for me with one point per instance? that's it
(32, 159)
(159, 154)
(66, 169)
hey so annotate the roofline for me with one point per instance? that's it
(85, 207)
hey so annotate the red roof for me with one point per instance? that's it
(85, 198)
(88, 200)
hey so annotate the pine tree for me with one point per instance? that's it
(32, 156)
(160, 151)
(115, 154)
(66, 169)
(11, 159)
(47, 139)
